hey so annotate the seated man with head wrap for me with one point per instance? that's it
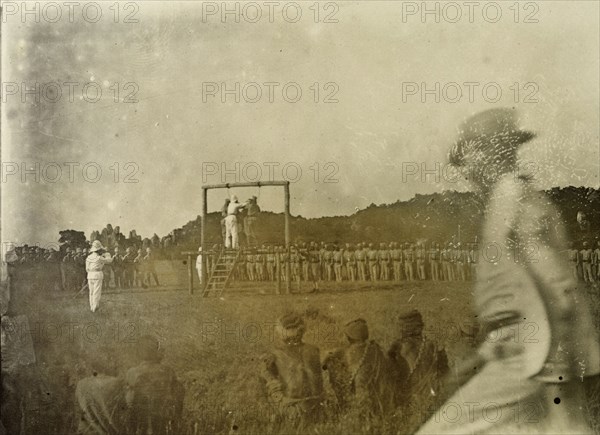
(424, 364)
(361, 376)
(292, 371)
(148, 400)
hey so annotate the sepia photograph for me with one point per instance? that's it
(300, 217)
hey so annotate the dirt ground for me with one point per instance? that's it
(215, 345)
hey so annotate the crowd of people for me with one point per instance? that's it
(407, 380)
(112, 237)
(65, 270)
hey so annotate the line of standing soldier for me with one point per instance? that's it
(38, 268)
(49, 270)
(361, 262)
(72, 269)
(585, 263)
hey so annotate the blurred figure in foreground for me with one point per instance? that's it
(515, 292)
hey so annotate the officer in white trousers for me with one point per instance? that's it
(231, 227)
(94, 264)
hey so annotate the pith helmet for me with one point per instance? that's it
(493, 131)
(96, 246)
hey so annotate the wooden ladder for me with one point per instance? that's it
(221, 272)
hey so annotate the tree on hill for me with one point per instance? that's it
(433, 217)
(72, 239)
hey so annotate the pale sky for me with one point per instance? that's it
(371, 141)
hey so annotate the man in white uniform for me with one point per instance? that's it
(231, 227)
(519, 372)
(94, 265)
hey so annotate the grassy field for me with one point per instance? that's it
(215, 344)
